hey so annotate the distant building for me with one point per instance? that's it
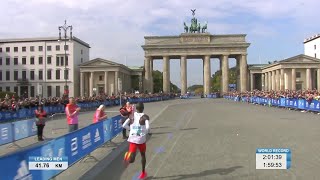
(300, 72)
(100, 76)
(312, 46)
(30, 65)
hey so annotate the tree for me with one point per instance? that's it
(199, 90)
(158, 83)
(216, 79)
(194, 87)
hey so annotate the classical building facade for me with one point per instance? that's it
(300, 72)
(196, 46)
(104, 76)
(37, 65)
(196, 43)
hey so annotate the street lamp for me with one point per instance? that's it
(65, 28)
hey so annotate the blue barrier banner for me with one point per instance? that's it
(107, 130)
(316, 105)
(32, 128)
(283, 102)
(83, 141)
(301, 104)
(6, 135)
(116, 125)
(312, 106)
(20, 129)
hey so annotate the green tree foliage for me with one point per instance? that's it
(158, 83)
(194, 87)
(198, 90)
(216, 79)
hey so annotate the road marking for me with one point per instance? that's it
(172, 147)
(166, 141)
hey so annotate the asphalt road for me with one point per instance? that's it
(217, 139)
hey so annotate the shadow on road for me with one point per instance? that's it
(161, 127)
(220, 171)
(186, 129)
(161, 133)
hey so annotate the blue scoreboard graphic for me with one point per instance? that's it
(273, 158)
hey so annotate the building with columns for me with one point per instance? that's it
(196, 46)
(296, 73)
(104, 76)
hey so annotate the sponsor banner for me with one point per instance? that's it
(116, 125)
(74, 145)
(6, 135)
(21, 129)
(302, 104)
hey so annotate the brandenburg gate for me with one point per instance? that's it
(196, 43)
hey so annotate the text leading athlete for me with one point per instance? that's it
(139, 127)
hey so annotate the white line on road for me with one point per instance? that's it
(163, 143)
(172, 147)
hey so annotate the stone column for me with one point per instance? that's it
(318, 79)
(269, 81)
(238, 73)
(82, 84)
(308, 78)
(166, 74)
(286, 81)
(207, 74)
(183, 74)
(151, 76)
(140, 83)
(147, 75)
(225, 73)
(116, 76)
(243, 72)
(91, 84)
(106, 82)
(262, 81)
(277, 80)
(293, 79)
(282, 79)
(251, 82)
(265, 82)
(273, 74)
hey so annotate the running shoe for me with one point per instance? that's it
(126, 159)
(143, 175)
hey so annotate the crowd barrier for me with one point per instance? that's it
(26, 113)
(185, 97)
(29, 112)
(75, 146)
(212, 96)
(293, 103)
(17, 130)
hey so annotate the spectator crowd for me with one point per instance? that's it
(13, 103)
(308, 95)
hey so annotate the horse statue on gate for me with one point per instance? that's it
(194, 26)
(204, 28)
(185, 27)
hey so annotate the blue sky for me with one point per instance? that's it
(115, 29)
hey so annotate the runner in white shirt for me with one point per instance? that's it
(139, 128)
